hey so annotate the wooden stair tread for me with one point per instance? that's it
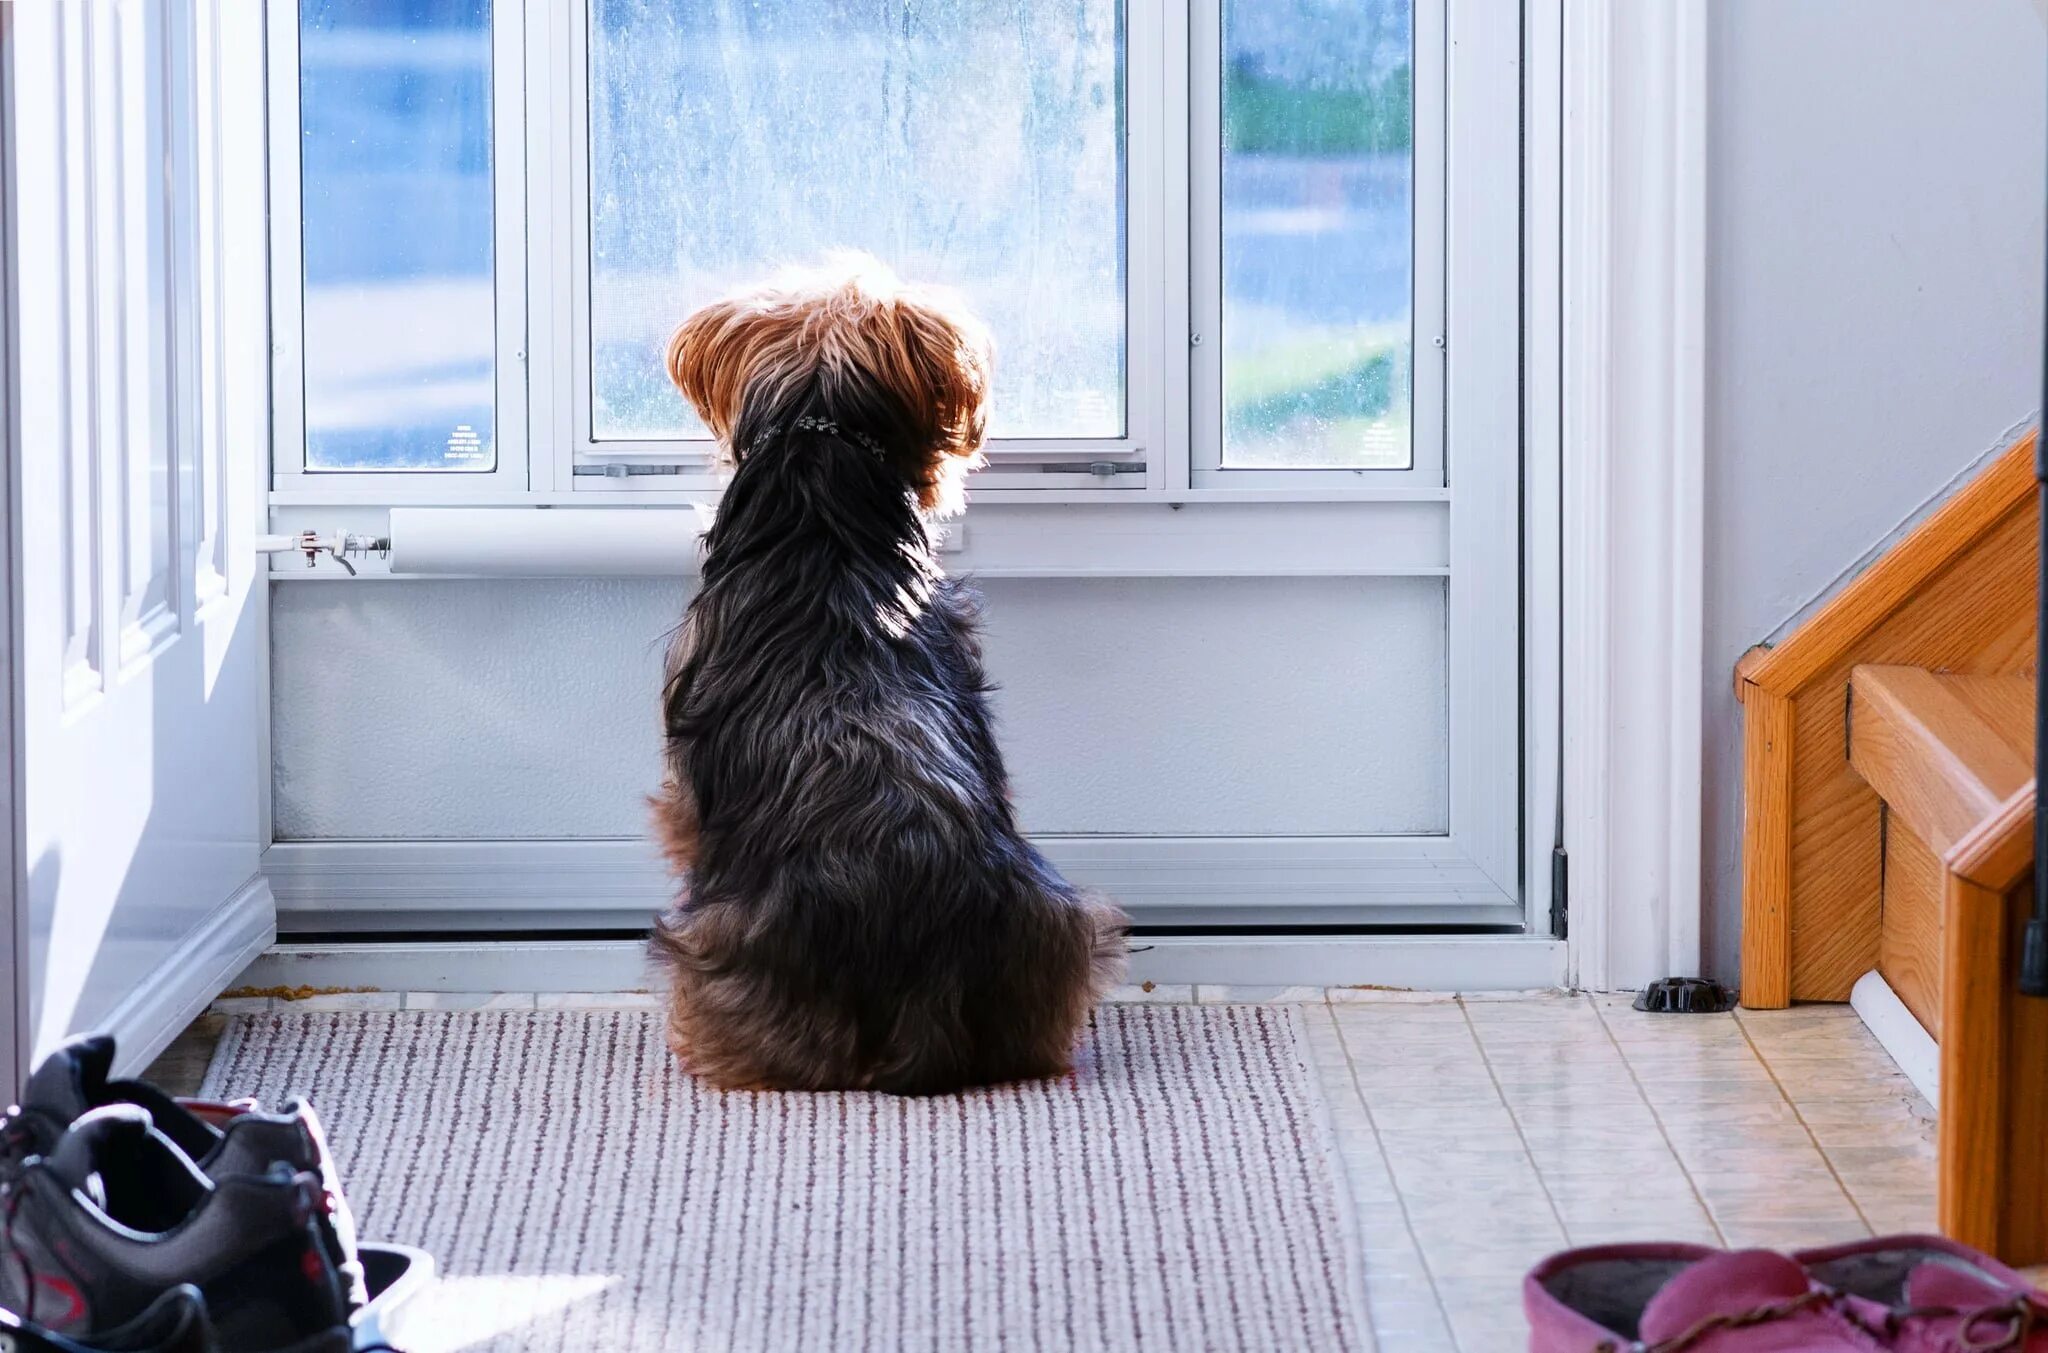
(1943, 751)
(2005, 703)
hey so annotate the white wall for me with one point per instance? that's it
(1180, 706)
(1875, 279)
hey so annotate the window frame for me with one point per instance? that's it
(1173, 270)
(1148, 315)
(1428, 273)
(290, 475)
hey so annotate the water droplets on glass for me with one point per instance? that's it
(396, 221)
(973, 143)
(1317, 233)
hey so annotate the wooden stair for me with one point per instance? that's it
(1888, 826)
(1943, 753)
(1951, 757)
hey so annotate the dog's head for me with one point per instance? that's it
(905, 368)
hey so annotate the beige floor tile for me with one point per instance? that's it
(1486, 1312)
(1531, 998)
(1587, 1207)
(1392, 996)
(1794, 1234)
(1707, 1097)
(1472, 1101)
(1744, 1120)
(1225, 995)
(1419, 1080)
(1633, 1167)
(1564, 1115)
(1678, 1228)
(1879, 1161)
(1600, 1146)
(1599, 1092)
(1452, 1267)
(598, 1000)
(341, 1000)
(1701, 1148)
(1158, 993)
(470, 1000)
(1896, 1215)
(242, 1005)
(1787, 1207)
(1505, 1129)
(1410, 1044)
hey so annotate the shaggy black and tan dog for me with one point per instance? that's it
(859, 909)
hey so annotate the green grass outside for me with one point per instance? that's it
(1320, 399)
(1262, 115)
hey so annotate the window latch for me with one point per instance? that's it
(340, 546)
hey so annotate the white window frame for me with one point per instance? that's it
(1173, 271)
(289, 472)
(1428, 243)
(566, 134)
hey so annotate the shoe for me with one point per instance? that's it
(222, 1139)
(1928, 1294)
(397, 1276)
(174, 1323)
(77, 1078)
(95, 1232)
(1686, 1299)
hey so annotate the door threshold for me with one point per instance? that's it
(1390, 963)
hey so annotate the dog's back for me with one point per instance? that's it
(861, 910)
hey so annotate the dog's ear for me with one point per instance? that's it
(947, 356)
(712, 355)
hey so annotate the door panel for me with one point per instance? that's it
(140, 408)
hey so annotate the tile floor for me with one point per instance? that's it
(1479, 1133)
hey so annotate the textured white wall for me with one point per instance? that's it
(1874, 290)
(1185, 706)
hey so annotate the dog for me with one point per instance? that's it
(859, 910)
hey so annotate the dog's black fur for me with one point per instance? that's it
(861, 910)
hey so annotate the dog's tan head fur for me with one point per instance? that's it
(907, 367)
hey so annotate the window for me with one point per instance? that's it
(970, 144)
(1214, 241)
(1317, 239)
(395, 235)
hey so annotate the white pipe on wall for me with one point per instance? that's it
(1393, 537)
(524, 542)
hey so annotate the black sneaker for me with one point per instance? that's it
(78, 1078)
(174, 1323)
(94, 1233)
(222, 1139)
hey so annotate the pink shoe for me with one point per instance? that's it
(1927, 1294)
(1686, 1299)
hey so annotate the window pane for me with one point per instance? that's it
(976, 143)
(1318, 242)
(395, 165)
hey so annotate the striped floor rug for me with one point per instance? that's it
(1179, 1193)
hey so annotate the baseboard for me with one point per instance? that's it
(203, 965)
(396, 886)
(1462, 963)
(1900, 1034)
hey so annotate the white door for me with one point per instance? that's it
(139, 412)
